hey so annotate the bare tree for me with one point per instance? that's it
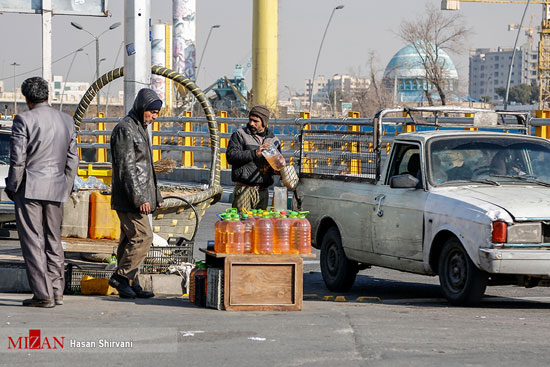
(431, 34)
(367, 101)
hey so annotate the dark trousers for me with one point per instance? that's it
(39, 229)
(136, 237)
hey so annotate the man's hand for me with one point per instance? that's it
(145, 208)
(262, 148)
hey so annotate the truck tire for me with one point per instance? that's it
(338, 271)
(462, 283)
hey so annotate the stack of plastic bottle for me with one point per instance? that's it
(262, 232)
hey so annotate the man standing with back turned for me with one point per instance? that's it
(43, 164)
(135, 192)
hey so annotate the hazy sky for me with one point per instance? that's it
(360, 27)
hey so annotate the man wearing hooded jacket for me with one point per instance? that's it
(134, 191)
(250, 171)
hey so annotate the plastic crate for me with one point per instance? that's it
(74, 274)
(214, 290)
(160, 258)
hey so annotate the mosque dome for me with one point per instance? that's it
(406, 74)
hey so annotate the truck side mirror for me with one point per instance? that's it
(404, 181)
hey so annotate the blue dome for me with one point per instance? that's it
(406, 63)
(407, 76)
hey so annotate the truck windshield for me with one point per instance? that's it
(460, 160)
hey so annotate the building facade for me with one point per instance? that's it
(489, 69)
(334, 91)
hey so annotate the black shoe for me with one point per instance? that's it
(122, 286)
(58, 301)
(140, 293)
(33, 302)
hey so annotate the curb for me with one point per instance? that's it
(13, 279)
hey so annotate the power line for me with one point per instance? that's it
(53, 62)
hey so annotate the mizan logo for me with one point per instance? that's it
(35, 341)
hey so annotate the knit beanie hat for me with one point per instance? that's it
(155, 105)
(262, 112)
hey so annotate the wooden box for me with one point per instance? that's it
(263, 282)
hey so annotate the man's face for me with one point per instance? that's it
(150, 116)
(255, 124)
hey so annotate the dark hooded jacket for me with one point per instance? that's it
(134, 180)
(246, 167)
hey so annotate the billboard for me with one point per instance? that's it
(59, 7)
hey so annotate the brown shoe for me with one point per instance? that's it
(58, 301)
(33, 302)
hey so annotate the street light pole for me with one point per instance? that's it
(14, 64)
(79, 27)
(67, 77)
(204, 49)
(512, 61)
(319, 54)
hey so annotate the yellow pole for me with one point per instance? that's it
(156, 141)
(542, 131)
(223, 141)
(101, 152)
(264, 53)
(354, 165)
(186, 156)
(307, 165)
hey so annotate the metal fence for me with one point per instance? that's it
(186, 138)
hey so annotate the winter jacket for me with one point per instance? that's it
(134, 180)
(246, 167)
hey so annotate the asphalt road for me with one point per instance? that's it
(388, 319)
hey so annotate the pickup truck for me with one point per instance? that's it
(460, 193)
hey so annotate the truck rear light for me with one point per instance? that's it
(499, 232)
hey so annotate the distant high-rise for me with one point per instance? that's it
(489, 70)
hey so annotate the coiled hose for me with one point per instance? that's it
(214, 190)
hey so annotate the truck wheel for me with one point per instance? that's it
(338, 272)
(461, 281)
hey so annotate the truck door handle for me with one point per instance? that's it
(379, 198)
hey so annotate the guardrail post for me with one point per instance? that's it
(542, 131)
(223, 141)
(157, 153)
(307, 166)
(470, 128)
(187, 158)
(354, 165)
(101, 152)
(408, 128)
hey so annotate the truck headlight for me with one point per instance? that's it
(525, 233)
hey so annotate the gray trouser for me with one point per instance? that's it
(39, 229)
(136, 237)
(248, 197)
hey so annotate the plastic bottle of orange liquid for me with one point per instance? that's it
(300, 234)
(235, 235)
(218, 233)
(248, 232)
(292, 217)
(282, 234)
(263, 235)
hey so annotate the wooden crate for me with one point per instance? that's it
(263, 282)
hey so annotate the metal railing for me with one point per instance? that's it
(188, 135)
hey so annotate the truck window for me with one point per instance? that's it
(406, 160)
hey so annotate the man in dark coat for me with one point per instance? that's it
(43, 164)
(135, 193)
(250, 170)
